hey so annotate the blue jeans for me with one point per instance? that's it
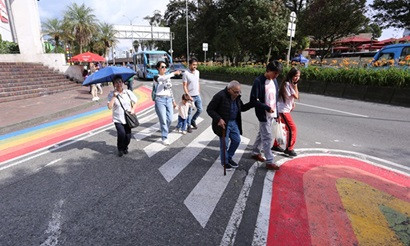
(198, 105)
(164, 110)
(232, 134)
(182, 123)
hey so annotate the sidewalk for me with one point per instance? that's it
(20, 114)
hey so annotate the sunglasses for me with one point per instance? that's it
(163, 67)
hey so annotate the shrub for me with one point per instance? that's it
(394, 77)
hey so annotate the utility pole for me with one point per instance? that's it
(291, 33)
(187, 39)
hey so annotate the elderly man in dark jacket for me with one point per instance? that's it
(225, 110)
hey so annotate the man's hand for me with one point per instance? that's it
(222, 123)
(271, 111)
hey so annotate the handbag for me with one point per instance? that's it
(279, 133)
(130, 119)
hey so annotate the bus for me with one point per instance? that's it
(145, 62)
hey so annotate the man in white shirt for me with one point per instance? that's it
(190, 82)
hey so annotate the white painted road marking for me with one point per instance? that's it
(203, 198)
(334, 110)
(178, 162)
(236, 217)
(156, 147)
(54, 226)
(150, 130)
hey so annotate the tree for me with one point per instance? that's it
(82, 23)
(53, 28)
(107, 36)
(374, 29)
(136, 45)
(392, 13)
(328, 20)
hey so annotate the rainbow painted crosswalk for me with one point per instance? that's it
(28, 140)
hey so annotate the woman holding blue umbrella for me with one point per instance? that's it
(164, 100)
(115, 99)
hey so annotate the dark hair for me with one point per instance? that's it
(159, 64)
(192, 60)
(274, 66)
(185, 97)
(116, 78)
(292, 72)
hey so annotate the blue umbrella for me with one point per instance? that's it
(107, 74)
(300, 59)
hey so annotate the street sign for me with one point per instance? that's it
(204, 46)
(291, 29)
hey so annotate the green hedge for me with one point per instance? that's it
(393, 77)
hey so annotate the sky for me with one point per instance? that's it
(123, 11)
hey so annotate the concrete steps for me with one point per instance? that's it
(27, 80)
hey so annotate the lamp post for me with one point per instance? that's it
(187, 40)
(291, 33)
(130, 19)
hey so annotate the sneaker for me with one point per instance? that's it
(120, 153)
(258, 157)
(291, 153)
(277, 148)
(233, 163)
(272, 166)
(193, 124)
(189, 129)
(184, 132)
(179, 130)
(95, 99)
(165, 142)
(228, 166)
(125, 152)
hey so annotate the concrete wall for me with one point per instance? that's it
(27, 22)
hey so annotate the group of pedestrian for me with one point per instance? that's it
(271, 102)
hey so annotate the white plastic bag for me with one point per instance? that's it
(279, 133)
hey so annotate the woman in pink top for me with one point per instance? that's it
(288, 92)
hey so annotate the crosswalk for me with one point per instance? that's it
(204, 197)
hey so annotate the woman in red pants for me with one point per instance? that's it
(288, 92)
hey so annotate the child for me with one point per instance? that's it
(183, 108)
(288, 92)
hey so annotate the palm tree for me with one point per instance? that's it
(82, 23)
(107, 36)
(53, 28)
(136, 44)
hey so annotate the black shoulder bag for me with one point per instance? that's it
(130, 119)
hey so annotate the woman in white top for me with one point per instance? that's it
(164, 100)
(126, 97)
(288, 92)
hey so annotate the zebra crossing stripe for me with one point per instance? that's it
(156, 147)
(150, 130)
(203, 198)
(181, 160)
(236, 217)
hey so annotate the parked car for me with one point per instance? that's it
(177, 66)
(395, 54)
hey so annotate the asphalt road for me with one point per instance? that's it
(81, 193)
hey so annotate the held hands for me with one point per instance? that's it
(222, 123)
(178, 72)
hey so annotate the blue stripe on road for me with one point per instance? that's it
(31, 129)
